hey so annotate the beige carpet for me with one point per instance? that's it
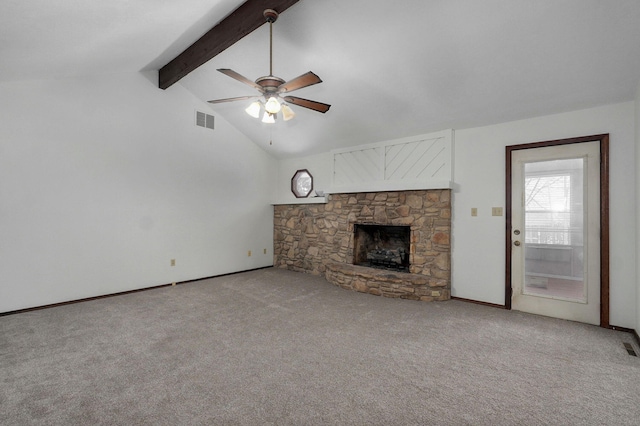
(282, 348)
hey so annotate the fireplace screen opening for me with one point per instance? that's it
(382, 246)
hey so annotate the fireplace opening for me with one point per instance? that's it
(382, 246)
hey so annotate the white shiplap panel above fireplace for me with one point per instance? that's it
(417, 162)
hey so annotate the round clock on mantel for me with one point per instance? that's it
(302, 183)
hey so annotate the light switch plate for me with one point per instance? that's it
(496, 211)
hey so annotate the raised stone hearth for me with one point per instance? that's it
(319, 239)
(380, 282)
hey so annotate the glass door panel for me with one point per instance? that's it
(554, 229)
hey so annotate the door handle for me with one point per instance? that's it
(516, 243)
(517, 232)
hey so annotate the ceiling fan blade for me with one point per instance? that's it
(241, 78)
(316, 106)
(239, 98)
(299, 82)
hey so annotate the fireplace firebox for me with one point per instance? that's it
(382, 246)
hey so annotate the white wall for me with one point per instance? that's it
(103, 180)
(478, 242)
(478, 253)
(637, 117)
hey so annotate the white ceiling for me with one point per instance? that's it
(390, 69)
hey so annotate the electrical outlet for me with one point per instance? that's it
(435, 293)
(249, 253)
(496, 211)
(474, 211)
(173, 262)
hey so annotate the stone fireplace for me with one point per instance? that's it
(330, 239)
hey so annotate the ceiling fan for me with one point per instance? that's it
(273, 88)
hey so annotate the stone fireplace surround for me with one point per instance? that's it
(319, 239)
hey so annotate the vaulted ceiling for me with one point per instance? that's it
(389, 69)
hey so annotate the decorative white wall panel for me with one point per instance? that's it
(362, 165)
(418, 162)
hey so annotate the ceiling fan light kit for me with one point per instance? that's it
(272, 106)
(254, 109)
(271, 87)
(268, 118)
(287, 112)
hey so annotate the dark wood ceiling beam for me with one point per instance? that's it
(242, 21)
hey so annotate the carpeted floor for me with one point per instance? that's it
(273, 347)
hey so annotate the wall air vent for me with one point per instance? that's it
(204, 120)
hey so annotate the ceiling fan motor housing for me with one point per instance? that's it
(270, 83)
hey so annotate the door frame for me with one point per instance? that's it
(604, 216)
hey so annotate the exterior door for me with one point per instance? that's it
(555, 231)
